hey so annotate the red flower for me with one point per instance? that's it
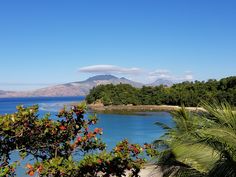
(29, 166)
(134, 149)
(40, 169)
(62, 127)
(99, 161)
(79, 139)
(31, 173)
(90, 135)
(31, 169)
(98, 130)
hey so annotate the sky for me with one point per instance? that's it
(48, 42)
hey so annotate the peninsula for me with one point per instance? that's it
(126, 98)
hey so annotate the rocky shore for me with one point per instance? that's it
(137, 108)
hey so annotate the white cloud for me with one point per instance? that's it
(188, 76)
(161, 73)
(110, 69)
(168, 75)
(138, 74)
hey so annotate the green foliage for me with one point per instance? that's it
(52, 144)
(186, 93)
(200, 143)
(114, 94)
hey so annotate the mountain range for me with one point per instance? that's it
(80, 88)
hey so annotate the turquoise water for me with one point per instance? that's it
(137, 128)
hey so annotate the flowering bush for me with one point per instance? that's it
(52, 144)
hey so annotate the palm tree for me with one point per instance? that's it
(200, 144)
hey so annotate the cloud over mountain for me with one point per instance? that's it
(137, 74)
(109, 69)
(168, 75)
(161, 73)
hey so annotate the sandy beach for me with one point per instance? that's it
(150, 171)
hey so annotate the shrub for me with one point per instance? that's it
(52, 144)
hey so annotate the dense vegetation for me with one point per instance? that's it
(200, 145)
(186, 93)
(52, 144)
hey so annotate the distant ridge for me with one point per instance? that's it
(101, 77)
(164, 82)
(2, 92)
(80, 88)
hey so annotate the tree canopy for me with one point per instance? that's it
(185, 93)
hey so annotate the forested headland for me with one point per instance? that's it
(185, 93)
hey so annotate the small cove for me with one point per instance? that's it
(137, 127)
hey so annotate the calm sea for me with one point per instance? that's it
(137, 128)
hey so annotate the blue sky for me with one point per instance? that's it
(53, 41)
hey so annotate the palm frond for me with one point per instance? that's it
(163, 125)
(223, 168)
(198, 156)
(225, 136)
(221, 112)
(204, 143)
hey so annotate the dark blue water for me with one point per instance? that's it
(47, 104)
(137, 128)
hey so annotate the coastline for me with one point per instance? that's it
(100, 108)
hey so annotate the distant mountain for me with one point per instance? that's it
(164, 82)
(73, 88)
(80, 88)
(103, 80)
(3, 93)
(101, 77)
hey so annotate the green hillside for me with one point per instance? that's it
(187, 93)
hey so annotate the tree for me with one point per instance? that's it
(185, 93)
(52, 144)
(200, 144)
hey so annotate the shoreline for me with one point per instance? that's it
(138, 108)
(150, 170)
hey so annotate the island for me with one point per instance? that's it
(126, 98)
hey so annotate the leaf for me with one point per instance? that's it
(23, 154)
(162, 125)
(70, 158)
